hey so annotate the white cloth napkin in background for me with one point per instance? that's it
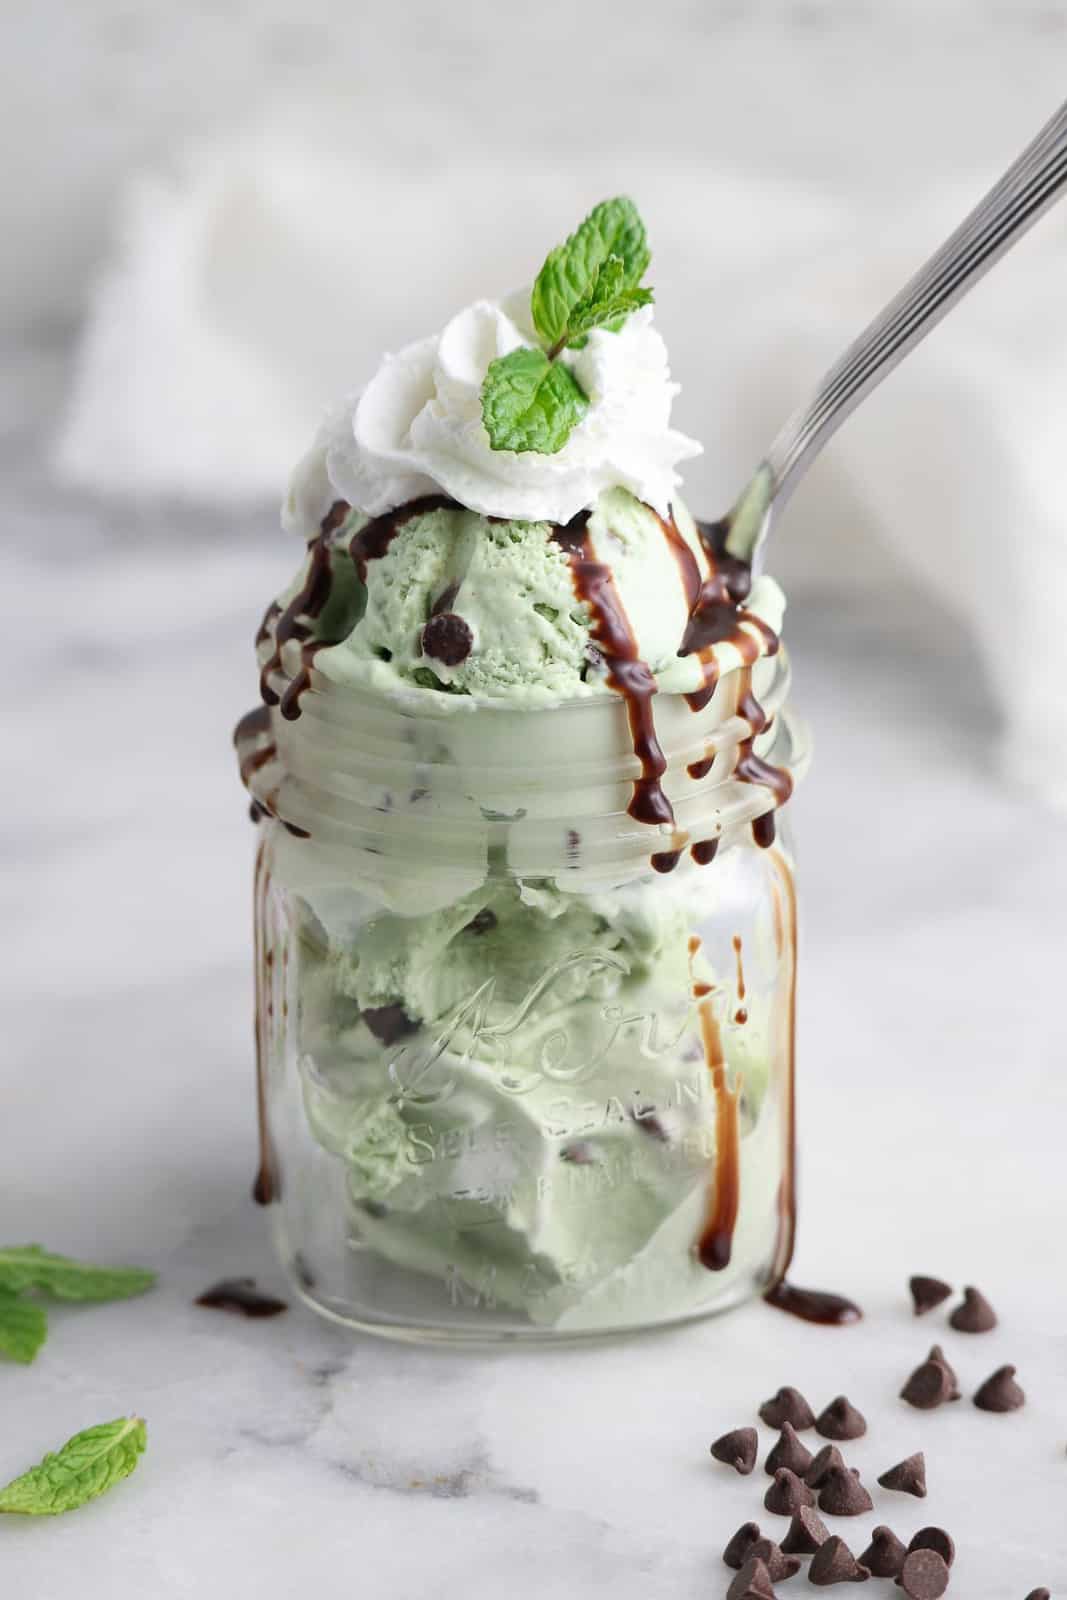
(262, 279)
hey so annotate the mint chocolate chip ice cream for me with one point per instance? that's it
(516, 704)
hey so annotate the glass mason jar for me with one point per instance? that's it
(525, 1063)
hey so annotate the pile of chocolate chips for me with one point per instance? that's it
(807, 1483)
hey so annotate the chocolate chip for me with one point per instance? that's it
(484, 922)
(843, 1495)
(579, 1153)
(788, 1405)
(790, 1451)
(841, 1420)
(938, 1355)
(779, 1566)
(737, 1449)
(787, 1494)
(924, 1575)
(834, 1562)
(926, 1293)
(1000, 1392)
(975, 1315)
(930, 1385)
(807, 1532)
(736, 1553)
(935, 1539)
(821, 1462)
(389, 1023)
(908, 1476)
(447, 638)
(884, 1556)
(753, 1582)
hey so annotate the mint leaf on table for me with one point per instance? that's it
(31, 1267)
(86, 1466)
(23, 1328)
(530, 402)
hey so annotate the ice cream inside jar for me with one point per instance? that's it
(525, 911)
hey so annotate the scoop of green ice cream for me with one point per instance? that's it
(464, 603)
(459, 603)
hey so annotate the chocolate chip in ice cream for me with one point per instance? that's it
(841, 1420)
(807, 1532)
(843, 1495)
(736, 1553)
(975, 1315)
(834, 1562)
(821, 1462)
(787, 1494)
(926, 1293)
(935, 1539)
(885, 1554)
(790, 1451)
(907, 1477)
(753, 1582)
(737, 1449)
(447, 638)
(389, 1023)
(924, 1575)
(1000, 1392)
(484, 922)
(929, 1386)
(788, 1405)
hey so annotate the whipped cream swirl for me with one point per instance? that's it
(416, 428)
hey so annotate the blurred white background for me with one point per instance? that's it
(216, 216)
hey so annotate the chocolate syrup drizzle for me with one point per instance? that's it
(297, 620)
(266, 1186)
(811, 1305)
(715, 1245)
(627, 673)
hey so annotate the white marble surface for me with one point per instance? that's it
(287, 1457)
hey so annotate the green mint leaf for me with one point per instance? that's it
(569, 276)
(30, 1267)
(23, 1328)
(87, 1465)
(530, 403)
(619, 225)
(609, 304)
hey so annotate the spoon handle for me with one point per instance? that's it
(1026, 190)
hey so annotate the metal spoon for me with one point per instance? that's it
(1013, 205)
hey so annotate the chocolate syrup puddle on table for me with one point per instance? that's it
(242, 1296)
(811, 1305)
(627, 673)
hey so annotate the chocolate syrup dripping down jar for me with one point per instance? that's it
(525, 1057)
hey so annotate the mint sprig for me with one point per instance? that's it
(86, 1466)
(23, 1328)
(530, 401)
(29, 1266)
